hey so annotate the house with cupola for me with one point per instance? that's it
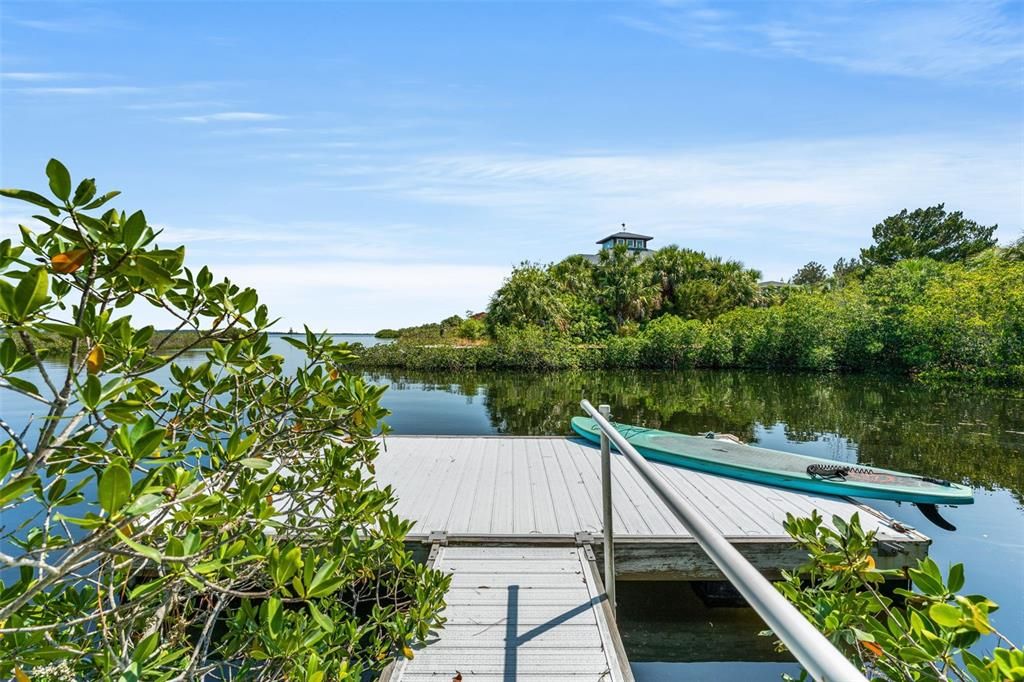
(635, 243)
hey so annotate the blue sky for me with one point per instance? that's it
(382, 164)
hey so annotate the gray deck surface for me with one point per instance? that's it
(504, 514)
(519, 613)
(523, 486)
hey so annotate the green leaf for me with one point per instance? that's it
(147, 587)
(133, 228)
(22, 385)
(323, 621)
(96, 203)
(255, 463)
(115, 487)
(32, 198)
(946, 615)
(61, 329)
(7, 458)
(6, 297)
(60, 179)
(294, 342)
(148, 552)
(144, 504)
(863, 636)
(325, 570)
(148, 443)
(85, 192)
(275, 618)
(145, 648)
(15, 488)
(150, 271)
(915, 655)
(925, 582)
(91, 391)
(132, 673)
(246, 301)
(31, 292)
(326, 587)
(956, 578)
(8, 353)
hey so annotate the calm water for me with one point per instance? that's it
(953, 432)
(365, 339)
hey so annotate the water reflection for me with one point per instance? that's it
(957, 433)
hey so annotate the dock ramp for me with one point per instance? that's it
(520, 612)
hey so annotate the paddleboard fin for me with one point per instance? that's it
(931, 512)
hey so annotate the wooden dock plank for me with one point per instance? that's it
(704, 491)
(589, 468)
(440, 501)
(525, 502)
(483, 505)
(502, 518)
(566, 519)
(543, 618)
(586, 512)
(663, 522)
(522, 489)
(461, 514)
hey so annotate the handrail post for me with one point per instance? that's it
(606, 498)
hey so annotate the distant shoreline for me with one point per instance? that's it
(329, 333)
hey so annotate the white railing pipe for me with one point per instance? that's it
(811, 648)
(606, 499)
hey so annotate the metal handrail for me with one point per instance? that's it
(811, 648)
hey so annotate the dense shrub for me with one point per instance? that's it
(530, 348)
(472, 329)
(918, 316)
(202, 521)
(970, 320)
(623, 352)
(672, 342)
(924, 634)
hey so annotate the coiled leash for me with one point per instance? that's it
(832, 472)
(839, 472)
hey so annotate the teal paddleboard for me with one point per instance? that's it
(782, 469)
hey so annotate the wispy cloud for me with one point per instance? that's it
(35, 76)
(86, 90)
(811, 196)
(69, 20)
(168, 105)
(942, 40)
(252, 130)
(52, 25)
(231, 116)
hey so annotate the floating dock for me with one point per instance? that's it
(518, 522)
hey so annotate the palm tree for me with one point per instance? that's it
(624, 288)
(574, 275)
(527, 297)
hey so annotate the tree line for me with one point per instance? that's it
(933, 294)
